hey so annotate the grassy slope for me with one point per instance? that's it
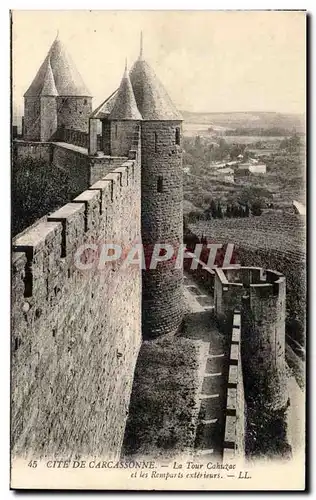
(164, 405)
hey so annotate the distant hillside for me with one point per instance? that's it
(229, 120)
(247, 120)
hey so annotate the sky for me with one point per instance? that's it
(209, 61)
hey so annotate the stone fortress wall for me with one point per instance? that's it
(260, 296)
(79, 169)
(235, 418)
(249, 306)
(76, 334)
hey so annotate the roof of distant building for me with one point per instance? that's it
(66, 78)
(224, 171)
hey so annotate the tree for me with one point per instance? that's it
(236, 150)
(197, 142)
(228, 211)
(247, 210)
(256, 208)
(213, 209)
(234, 210)
(207, 213)
(219, 211)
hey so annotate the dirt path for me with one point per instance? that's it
(200, 324)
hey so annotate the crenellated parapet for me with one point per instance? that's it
(260, 297)
(76, 331)
(64, 230)
(235, 411)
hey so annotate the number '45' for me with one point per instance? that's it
(32, 463)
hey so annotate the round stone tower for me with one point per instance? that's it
(260, 296)
(70, 103)
(263, 338)
(74, 101)
(161, 205)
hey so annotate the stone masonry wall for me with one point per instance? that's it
(263, 342)
(32, 118)
(122, 135)
(106, 137)
(292, 265)
(235, 425)
(162, 222)
(74, 112)
(101, 166)
(76, 334)
(84, 170)
(227, 296)
(76, 165)
(68, 170)
(260, 298)
(37, 150)
(48, 118)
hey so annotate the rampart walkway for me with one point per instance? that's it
(200, 324)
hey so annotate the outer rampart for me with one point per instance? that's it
(235, 425)
(260, 296)
(76, 334)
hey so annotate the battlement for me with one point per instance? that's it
(255, 280)
(65, 319)
(199, 271)
(58, 237)
(259, 296)
(234, 437)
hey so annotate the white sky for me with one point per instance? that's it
(207, 60)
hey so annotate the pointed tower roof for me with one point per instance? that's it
(67, 79)
(125, 107)
(151, 97)
(49, 87)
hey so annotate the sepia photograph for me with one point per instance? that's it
(158, 261)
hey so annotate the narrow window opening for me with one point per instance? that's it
(115, 131)
(85, 101)
(155, 142)
(178, 136)
(17, 343)
(160, 184)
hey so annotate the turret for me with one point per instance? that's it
(59, 78)
(48, 106)
(162, 195)
(123, 119)
(259, 295)
(141, 100)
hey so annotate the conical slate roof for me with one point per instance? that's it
(104, 109)
(151, 97)
(142, 93)
(49, 87)
(125, 107)
(67, 79)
